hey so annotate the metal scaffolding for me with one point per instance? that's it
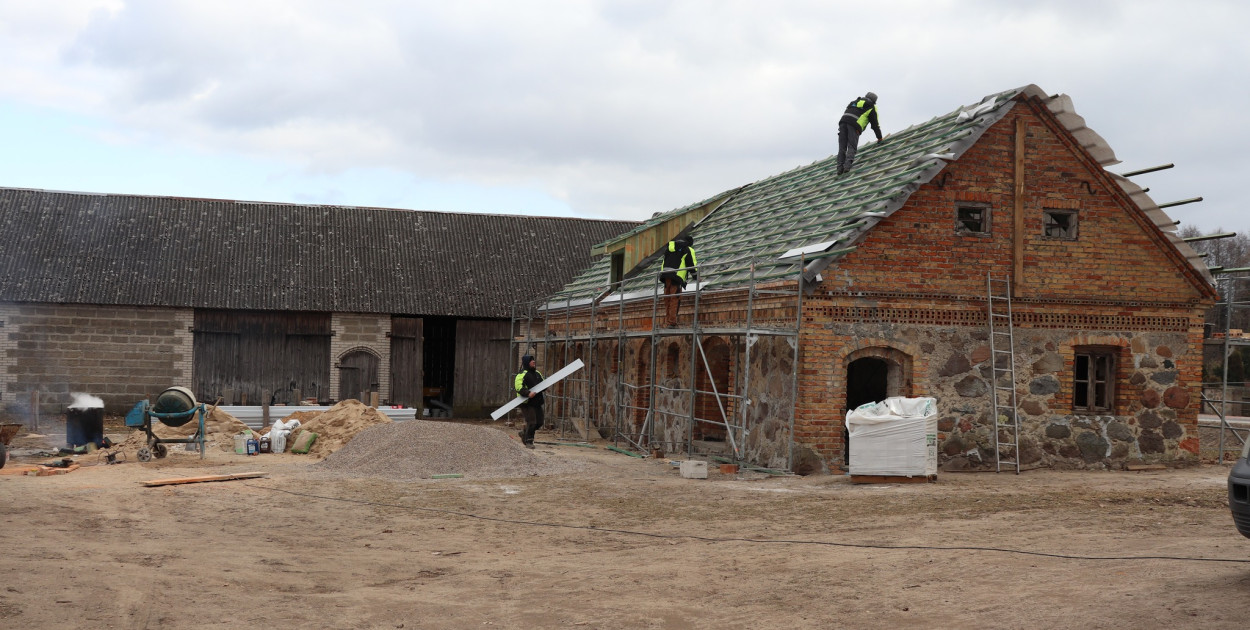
(1226, 336)
(575, 326)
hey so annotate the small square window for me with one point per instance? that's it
(1093, 380)
(972, 219)
(1060, 224)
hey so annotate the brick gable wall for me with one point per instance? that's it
(917, 249)
(914, 295)
(916, 288)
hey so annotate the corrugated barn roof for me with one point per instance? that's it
(63, 247)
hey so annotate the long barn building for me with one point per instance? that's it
(121, 296)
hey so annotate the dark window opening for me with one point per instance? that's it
(1093, 380)
(618, 268)
(1060, 224)
(972, 219)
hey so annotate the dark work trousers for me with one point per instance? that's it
(672, 289)
(533, 421)
(848, 144)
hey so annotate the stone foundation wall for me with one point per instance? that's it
(934, 346)
(770, 392)
(1153, 420)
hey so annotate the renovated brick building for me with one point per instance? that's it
(121, 296)
(819, 293)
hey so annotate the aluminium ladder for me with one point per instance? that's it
(1003, 366)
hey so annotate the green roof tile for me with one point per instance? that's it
(809, 205)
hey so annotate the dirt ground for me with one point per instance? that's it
(622, 543)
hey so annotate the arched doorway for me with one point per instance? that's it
(358, 372)
(872, 375)
(641, 385)
(706, 404)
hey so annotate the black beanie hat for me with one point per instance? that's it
(525, 361)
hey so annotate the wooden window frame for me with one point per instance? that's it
(1071, 232)
(1094, 390)
(961, 227)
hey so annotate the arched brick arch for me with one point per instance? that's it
(908, 358)
(719, 357)
(900, 379)
(368, 349)
(641, 378)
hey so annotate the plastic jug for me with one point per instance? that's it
(240, 444)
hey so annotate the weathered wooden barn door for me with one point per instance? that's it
(482, 369)
(248, 352)
(406, 377)
(358, 372)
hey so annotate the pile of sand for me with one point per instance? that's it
(302, 416)
(337, 426)
(420, 449)
(219, 430)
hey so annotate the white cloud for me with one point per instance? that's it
(621, 107)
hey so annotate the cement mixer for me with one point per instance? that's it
(175, 407)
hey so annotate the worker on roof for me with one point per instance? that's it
(860, 113)
(679, 265)
(532, 409)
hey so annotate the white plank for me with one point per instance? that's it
(547, 382)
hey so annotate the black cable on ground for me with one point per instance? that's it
(771, 541)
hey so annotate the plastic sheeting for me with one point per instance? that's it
(894, 437)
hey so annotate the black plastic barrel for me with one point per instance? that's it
(84, 425)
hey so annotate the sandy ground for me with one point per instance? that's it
(622, 543)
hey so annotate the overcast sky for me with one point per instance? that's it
(602, 109)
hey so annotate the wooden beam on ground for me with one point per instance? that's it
(1017, 214)
(179, 480)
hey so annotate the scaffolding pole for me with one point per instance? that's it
(1227, 345)
(742, 335)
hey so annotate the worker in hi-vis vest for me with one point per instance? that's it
(679, 266)
(859, 114)
(532, 409)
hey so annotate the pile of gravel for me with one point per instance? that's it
(419, 449)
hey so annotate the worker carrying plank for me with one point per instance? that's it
(679, 265)
(532, 409)
(860, 113)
